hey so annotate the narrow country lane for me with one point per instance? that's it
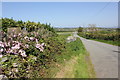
(104, 57)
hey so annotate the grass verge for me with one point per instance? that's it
(83, 68)
(74, 62)
(116, 43)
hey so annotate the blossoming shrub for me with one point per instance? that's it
(18, 49)
(26, 55)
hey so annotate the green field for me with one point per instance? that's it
(65, 29)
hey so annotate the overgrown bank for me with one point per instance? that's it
(74, 62)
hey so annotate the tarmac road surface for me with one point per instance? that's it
(104, 57)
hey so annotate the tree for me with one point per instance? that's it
(80, 29)
(92, 28)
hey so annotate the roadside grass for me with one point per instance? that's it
(116, 43)
(84, 67)
(74, 62)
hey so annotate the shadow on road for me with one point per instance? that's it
(116, 51)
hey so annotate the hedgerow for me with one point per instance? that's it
(27, 55)
(110, 35)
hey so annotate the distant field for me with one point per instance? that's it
(65, 29)
(64, 33)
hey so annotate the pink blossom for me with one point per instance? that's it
(1, 55)
(1, 50)
(13, 30)
(32, 38)
(26, 37)
(12, 51)
(9, 51)
(15, 41)
(26, 45)
(43, 44)
(8, 43)
(19, 43)
(19, 34)
(36, 40)
(40, 47)
(22, 53)
(5, 44)
(16, 47)
(1, 44)
(14, 35)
